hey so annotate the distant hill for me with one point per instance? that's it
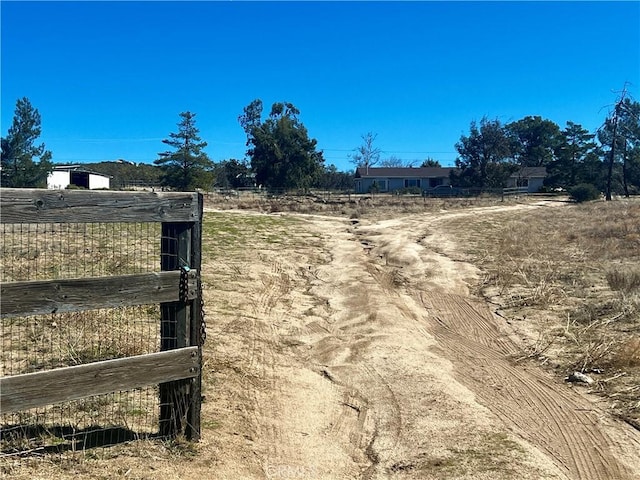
(126, 174)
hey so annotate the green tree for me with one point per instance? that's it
(332, 179)
(233, 173)
(484, 159)
(619, 137)
(430, 162)
(19, 167)
(187, 167)
(533, 141)
(572, 152)
(629, 130)
(281, 152)
(592, 170)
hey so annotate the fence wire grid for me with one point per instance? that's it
(43, 342)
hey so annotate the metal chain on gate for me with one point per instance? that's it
(203, 321)
(184, 297)
(183, 289)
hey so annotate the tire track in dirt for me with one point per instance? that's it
(347, 372)
(549, 415)
(300, 421)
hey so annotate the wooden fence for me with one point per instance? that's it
(176, 368)
(514, 191)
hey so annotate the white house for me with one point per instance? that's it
(530, 177)
(64, 175)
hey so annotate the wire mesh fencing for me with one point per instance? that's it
(32, 344)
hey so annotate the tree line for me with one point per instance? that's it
(281, 154)
(608, 159)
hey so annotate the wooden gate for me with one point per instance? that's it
(176, 368)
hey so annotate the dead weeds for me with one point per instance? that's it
(567, 279)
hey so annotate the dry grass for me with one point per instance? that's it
(569, 277)
(627, 280)
(31, 344)
(550, 267)
(345, 205)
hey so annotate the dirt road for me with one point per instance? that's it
(356, 351)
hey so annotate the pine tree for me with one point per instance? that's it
(19, 167)
(187, 167)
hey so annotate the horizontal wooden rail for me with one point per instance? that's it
(22, 205)
(31, 390)
(515, 190)
(40, 297)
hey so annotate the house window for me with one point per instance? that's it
(522, 182)
(434, 182)
(411, 182)
(382, 185)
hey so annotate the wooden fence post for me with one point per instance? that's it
(192, 428)
(181, 326)
(175, 251)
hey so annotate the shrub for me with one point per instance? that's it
(584, 192)
(409, 191)
(626, 281)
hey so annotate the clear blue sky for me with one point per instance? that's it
(110, 78)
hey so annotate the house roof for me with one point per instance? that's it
(530, 172)
(402, 172)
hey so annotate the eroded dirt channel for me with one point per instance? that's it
(357, 351)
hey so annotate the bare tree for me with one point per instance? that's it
(393, 162)
(366, 155)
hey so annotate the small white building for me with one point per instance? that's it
(64, 175)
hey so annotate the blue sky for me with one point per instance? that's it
(110, 78)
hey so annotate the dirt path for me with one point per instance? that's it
(361, 354)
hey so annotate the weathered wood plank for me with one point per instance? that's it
(21, 205)
(21, 392)
(192, 429)
(39, 297)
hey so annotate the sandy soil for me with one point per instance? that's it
(358, 352)
(353, 349)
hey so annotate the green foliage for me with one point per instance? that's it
(574, 161)
(332, 179)
(584, 192)
(620, 140)
(533, 141)
(430, 162)
(282, 154)
(233, 173)
(19, 167)
(187, 167)
(409, 191)
(484, 159)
